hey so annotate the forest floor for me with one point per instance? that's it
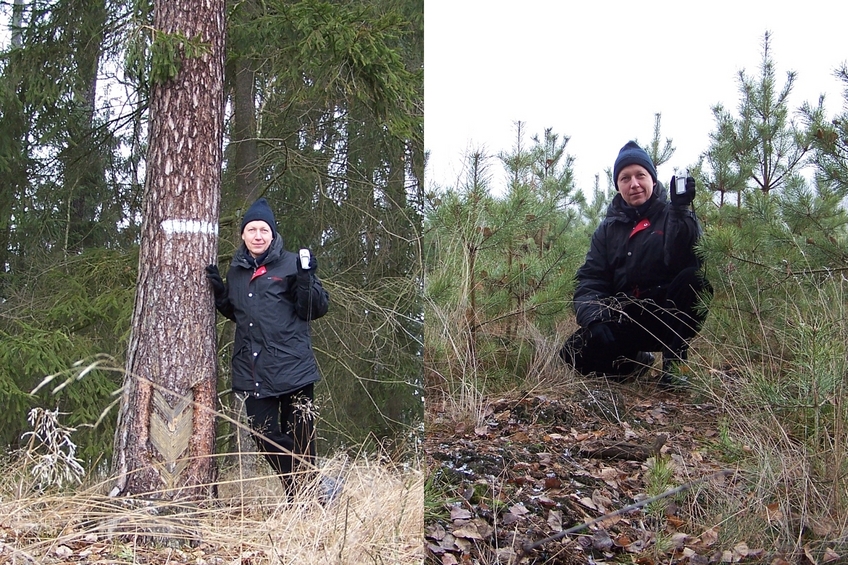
(375, 517)
(537, 465)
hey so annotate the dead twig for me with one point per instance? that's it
(623, 451)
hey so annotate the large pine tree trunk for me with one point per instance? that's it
(244, 132)
(166, 432)
(83, 162)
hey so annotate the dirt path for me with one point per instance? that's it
(540, 465)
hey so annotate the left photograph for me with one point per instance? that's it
(211, 317)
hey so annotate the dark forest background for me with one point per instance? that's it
(324, 119)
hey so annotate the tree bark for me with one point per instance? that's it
(83, 161)
(244, 132)
(166, 433)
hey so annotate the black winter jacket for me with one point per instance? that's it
(272, 352)
(634, 255)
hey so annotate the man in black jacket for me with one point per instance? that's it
(271, 297)
(640, 286)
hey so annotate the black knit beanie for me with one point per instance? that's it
(260, 210)
(632, 154)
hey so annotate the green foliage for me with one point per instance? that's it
(339, 135)
(55, 194)
(660, 151)
(167, 51)
(730, 448)
(829, 140)
(438, 494)
(499, 266)
(761, 147)
(57, 317)
(349, 51)
(728, 161)
(153, 56)
(658, 479)
(769, 254)
(138, 38)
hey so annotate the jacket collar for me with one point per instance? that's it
(619, 209)
(243, 258)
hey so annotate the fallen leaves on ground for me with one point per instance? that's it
(540, 465)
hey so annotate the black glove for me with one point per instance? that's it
(600, 334)
(218, 286)
(685, 198)
(304, 276)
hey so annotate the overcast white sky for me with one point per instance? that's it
(599, 71)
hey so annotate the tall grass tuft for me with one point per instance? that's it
(351, 509)
(778, 346)
(376, 518)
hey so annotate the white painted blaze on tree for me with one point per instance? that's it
(189, 226)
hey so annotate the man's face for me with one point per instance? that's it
(257, 237)
(635, 184)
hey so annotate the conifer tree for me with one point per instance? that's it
(728, 163)
(165, 434)
(829, 140)
(595, 209)
(761, 143)
(64, 221)
(456, 231)
(497, 266)
(660, 151)
(776, 260)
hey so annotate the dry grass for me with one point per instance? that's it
(783, 433)
(794, 498)
(377, 518)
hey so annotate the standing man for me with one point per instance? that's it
(271, 297)
(638, 290)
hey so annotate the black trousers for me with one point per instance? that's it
(286, 421)
(665, 320)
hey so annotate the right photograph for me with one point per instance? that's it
(635, 253)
